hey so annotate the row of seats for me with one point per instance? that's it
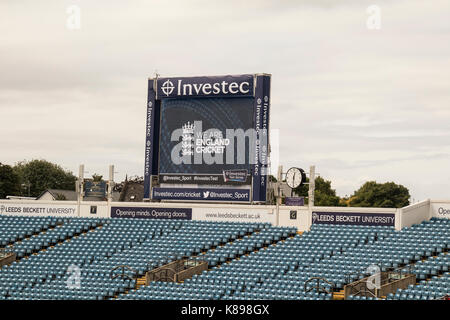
(249, 276)
(247, 244)
(142, 245)
(260, 236)
(52, 236)
(281, 271)
(246, 260)
(437, 287)
(16, 228)
(50, 267)
(423, 269)
(395, 249)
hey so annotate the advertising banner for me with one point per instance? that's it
(234, 215)
(213, 128)
(152, 213)
(150, 144)
(38, 209)
(235, 175)
(256, 172)
(294, 201)
(264, 138)
(440, 210)
(205, 194)
(293, 214)
(94, 188)
(209, 179)
(354, 218)
(261, 126)
(192, 87)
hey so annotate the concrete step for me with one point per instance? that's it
(340, 295)
(140, 282)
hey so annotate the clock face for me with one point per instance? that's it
(294, 177)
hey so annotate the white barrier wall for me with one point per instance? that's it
(38, 208)
(211, 212)
(235, 214)
(194, 211)
(300, 217)
(440, 209)
(101, 209)
(356, 216)
(415, 213)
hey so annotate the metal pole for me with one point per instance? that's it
(278, 193)
(80, 185)
(110, 182)
(312, 185)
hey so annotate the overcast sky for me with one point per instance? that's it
(360, 104)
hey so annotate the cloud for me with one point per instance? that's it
(357, 103)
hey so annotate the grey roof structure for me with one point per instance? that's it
(71, 195)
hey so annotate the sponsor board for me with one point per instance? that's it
(151, 146)
(208, 126)
(94, 188)
(293, 214)
(261, 125)
(440, 210)
(38, 209)
(206, 136)
(206, 86)
(354, 218)
(208, 179)
(234, 215)
(235, 176)
(152, 213)
(294, 201)
(202, 194)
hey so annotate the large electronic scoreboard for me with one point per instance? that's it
(207, 138)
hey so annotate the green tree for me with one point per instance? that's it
(384, 195)
(9, 181)
(302, 191)
(324, 195)
(41, 175)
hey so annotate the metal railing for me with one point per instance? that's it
(386, 276)
(123, 275)
(4, 252)
(166, 274)
(360, 289)
(318, 287)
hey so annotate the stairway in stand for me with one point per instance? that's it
(140, 282)
(339, 295)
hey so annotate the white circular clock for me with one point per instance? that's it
(295, 177)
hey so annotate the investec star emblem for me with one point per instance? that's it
(167, 87)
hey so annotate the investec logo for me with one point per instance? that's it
(315, 216)
(216, 88)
